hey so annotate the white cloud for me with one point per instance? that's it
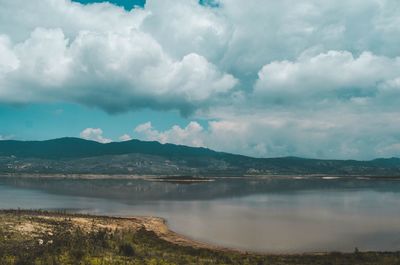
(287, 134)
(392, 149)
(144, 127)
(335, 75)
(87, 64)
(19, 18)
(9, 61)
(191, 135)
(184, 27)
(178, 54)
(94, 134)
(93, 67)
(6, 137)
(125, 137)
(266, 31)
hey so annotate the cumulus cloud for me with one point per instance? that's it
(186, 56)
(266, 31)
(94, 134)
(107, 71)
(9, 61)
(335, 75)
(125, 137)
(191, 135)
(185, 27)
(116, 70)
(283, 134)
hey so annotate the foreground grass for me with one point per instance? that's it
(54, 238)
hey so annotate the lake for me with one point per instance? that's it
(279, 215)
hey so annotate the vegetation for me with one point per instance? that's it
(42, 238)
(78, 156)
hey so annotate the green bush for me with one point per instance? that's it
(127, 250)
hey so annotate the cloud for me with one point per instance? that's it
(390, 150)
(285, 134)
(18, 20)
(94, 134)
(331, 76)
(266, 31)
(186, 56)
(116, 70)
(108, 72)
(334, 133)
(125, 137)
(9, 61)
(184, 27)
(191, 135)
(6, 137)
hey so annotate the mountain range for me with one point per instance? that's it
(79, 156)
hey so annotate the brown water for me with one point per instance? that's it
(287, 215)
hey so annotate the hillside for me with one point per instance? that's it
(78, 156)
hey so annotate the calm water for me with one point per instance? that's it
(286, 215)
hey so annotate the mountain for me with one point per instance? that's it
(80, 148)
(78, 156)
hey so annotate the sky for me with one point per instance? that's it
(265, 78)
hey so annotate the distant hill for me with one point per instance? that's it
(78, 156)
(78, 148)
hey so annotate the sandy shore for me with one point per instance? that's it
(42, 226)
(34, 226)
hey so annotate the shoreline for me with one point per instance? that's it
(160, 227)
(44, 237)
(155, 224)
(191, 179)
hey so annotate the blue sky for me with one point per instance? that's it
(263, 78)
(127, 4)
(48, 121)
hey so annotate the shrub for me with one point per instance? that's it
(127, 250)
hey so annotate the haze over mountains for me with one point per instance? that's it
(78, 156)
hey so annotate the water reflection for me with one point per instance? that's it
(140, 190)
